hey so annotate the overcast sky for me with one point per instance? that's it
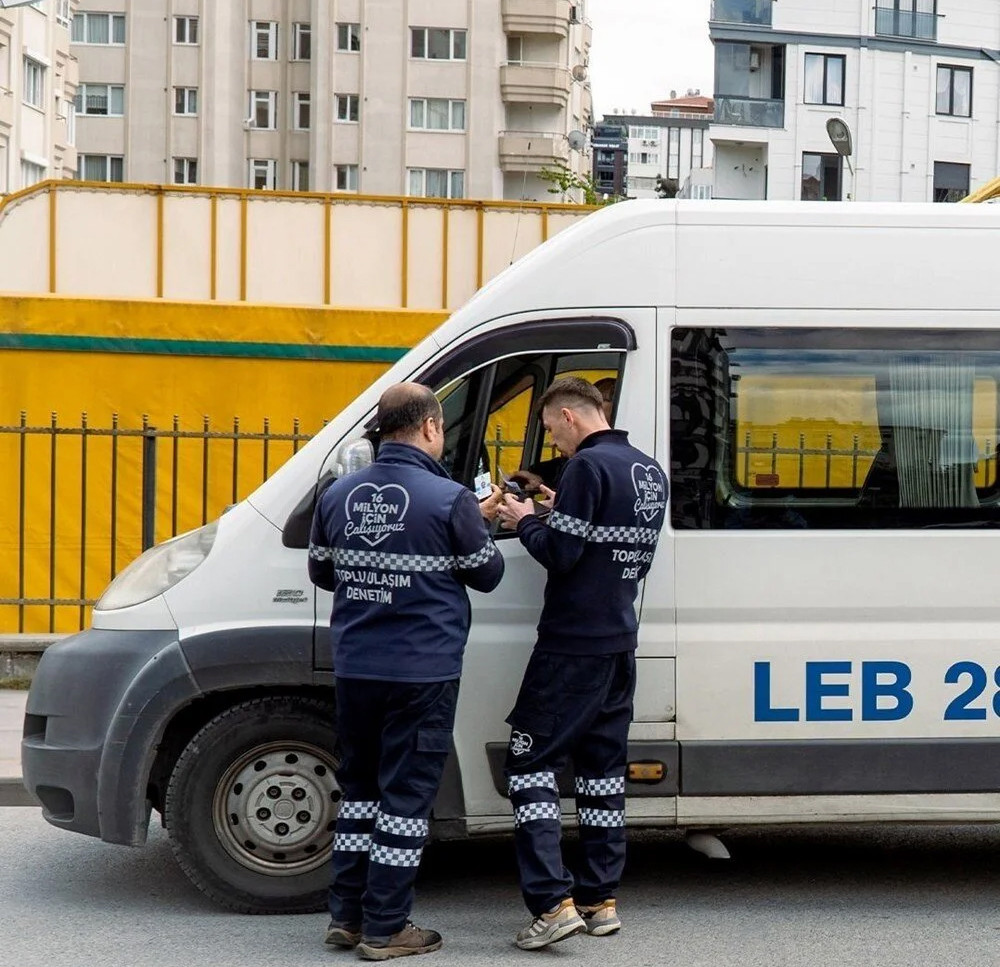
(644, 49)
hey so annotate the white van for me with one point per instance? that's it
(820, 631)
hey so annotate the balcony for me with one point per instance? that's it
(890, 22)
(6, 107)
(528, 83)
(532, 150)
(750, 112)
(536, 17)
(756, 12)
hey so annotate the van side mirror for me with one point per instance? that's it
(349, 457)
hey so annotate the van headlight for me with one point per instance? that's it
(158, 569)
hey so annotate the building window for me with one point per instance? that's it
(347, 107)
(263, 173)
(185, 100)
(300, 176)
(301, 110)
(263, 40)
(185, 171)
(301, 41)
(349, 37)
(70, 123)
(954, 91)
(697, 147)
(640, 158)
(437, 114)
(436, 183)
(101, 167)
(515, 49)
(821, 177)
(101, 100)
(825, 79)
(951, 181)
(346, 178)
(185, 30)
(31, 173)
(434, 43)
(33, 92)
(644, 133)
(98, 28)
(834, 428)
(674, 153)
(264, 110)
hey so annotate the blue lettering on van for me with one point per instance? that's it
(884, 694)
(762, 709)
(874, 686)
(818, 688)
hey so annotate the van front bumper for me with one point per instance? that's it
(97, 707)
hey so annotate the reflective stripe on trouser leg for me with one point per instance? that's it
(537, 834)
(349, 863)
(601, 819)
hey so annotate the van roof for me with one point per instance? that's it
(755, 255)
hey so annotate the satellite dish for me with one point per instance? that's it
(579, 73)
(577, 140)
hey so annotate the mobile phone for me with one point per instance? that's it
(512, 487)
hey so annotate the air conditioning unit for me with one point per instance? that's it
(648, 144)
(755, 60)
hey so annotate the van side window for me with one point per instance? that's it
(490, 420)
(839, 428)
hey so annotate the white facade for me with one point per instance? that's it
(37, 87)
(454, 98)
(917, 82)
(671, 146)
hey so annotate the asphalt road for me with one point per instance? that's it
(841, 896)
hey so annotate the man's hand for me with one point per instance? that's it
(489, 507)
(512, 510)
(531, 482)
(548, 496)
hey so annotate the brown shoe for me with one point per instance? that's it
(408, 941)
(344, 935)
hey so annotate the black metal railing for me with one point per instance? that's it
(82, 500)
(892, 22)
(831, 463)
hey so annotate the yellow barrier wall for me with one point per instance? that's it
(158, 359)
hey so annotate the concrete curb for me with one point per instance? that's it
(13, 793)
(20, 654)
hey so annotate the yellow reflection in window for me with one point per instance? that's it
(822, 432)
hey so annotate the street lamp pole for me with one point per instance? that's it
(840, 136)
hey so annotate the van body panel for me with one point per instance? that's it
(95, 702)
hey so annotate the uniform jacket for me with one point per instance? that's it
(398, 543)
(597, 544)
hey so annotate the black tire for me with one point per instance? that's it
(251, 806)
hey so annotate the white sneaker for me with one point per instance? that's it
(557, 924)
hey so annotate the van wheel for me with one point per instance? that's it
(252, 803)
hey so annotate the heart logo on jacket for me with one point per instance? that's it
(375, 512)
(650, 491)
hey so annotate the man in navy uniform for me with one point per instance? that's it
(575, 701)
(398, 544)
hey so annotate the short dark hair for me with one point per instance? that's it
(573, 393)
(403, 409)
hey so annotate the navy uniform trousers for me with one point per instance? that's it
(394, 738)
(576, 708)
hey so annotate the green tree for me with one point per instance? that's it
(563, 180)
(666, 187)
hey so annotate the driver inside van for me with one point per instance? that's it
(544, 475)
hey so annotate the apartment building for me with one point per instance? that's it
(446, 98)
(37, 87)
(669, 142)
(916, 81)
